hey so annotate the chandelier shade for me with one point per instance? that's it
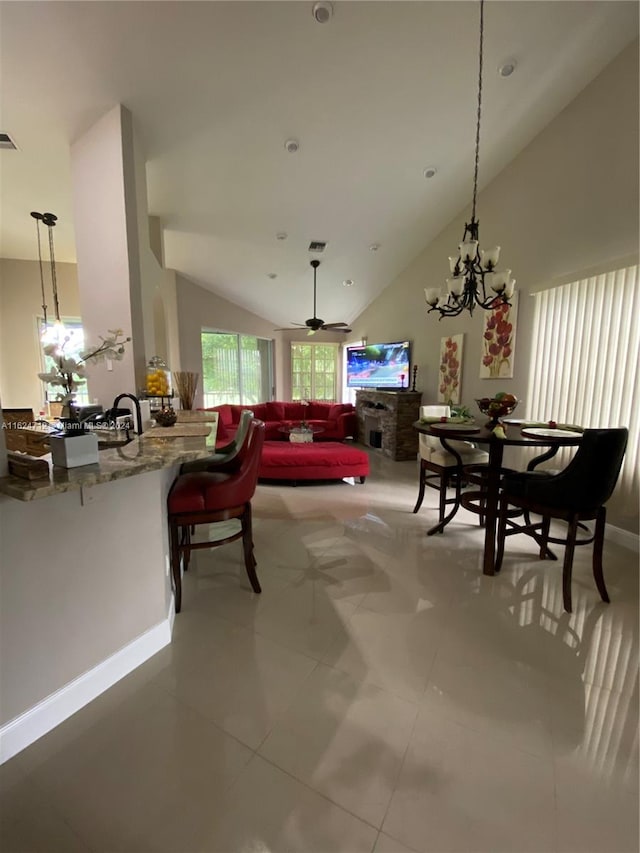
(475, 279)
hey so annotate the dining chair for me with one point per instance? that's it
(438, 467)
(207, 497)
(578, 493)
(223, 458)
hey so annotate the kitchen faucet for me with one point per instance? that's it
(136, 403)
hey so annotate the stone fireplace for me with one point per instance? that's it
(385, 421)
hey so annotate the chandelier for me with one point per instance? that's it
(475, 279)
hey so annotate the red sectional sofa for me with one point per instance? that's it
(338, 420)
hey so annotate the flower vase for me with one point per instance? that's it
(71, 450)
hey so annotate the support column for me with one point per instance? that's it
(103, 169)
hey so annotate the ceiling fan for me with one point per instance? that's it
(315, 324)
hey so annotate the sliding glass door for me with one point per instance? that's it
(236, 368)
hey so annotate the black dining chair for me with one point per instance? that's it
(578, 493)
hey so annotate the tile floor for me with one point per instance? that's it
(380, 695)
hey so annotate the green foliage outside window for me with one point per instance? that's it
(314, 370)
(235, 368)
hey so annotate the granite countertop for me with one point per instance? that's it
(138, 457)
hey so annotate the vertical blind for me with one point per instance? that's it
(235, 368)
(584, 366)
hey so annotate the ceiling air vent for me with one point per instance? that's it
(7, 142)
(317, 245)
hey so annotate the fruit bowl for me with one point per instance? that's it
(497, 407)
(166, 418)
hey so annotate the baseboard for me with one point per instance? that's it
(24, 730)
(623, 537)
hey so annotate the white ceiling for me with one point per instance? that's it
(374, 96)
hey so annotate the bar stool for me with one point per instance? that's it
(212, 496)
(578, 493)
(438, 467)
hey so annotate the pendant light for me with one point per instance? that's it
(475, 280)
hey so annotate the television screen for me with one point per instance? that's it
(379, 365)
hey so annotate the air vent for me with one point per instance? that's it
(7, 142)
(317, 245)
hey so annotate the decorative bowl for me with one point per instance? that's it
(166, 418)
(497, 407)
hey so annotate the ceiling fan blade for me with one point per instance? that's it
(290, 329)
(333, 325)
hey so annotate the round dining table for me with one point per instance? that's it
(515, 435)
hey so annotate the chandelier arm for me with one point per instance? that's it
(477, 160)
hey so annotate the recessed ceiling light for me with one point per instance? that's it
(281, 235)
(322, 11)
(292, 145)
(430, 171)
(374, 247)
(348, 282)
(507, 68)
(272, 275)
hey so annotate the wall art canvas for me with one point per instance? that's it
(450, 376)
(499, 340)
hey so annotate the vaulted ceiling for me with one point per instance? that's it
(374, 96)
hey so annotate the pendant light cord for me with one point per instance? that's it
(49, 220)
(38, 217)
(475, 174)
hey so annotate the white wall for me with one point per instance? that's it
(92, 581)
(107, 248)
(567, 204)
(199, 308)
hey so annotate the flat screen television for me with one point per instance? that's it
(379, 365)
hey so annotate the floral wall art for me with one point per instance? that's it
(450, 378)
(498, 340)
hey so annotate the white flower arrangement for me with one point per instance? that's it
(70, 373)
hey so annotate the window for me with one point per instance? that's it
(584, 367)
(73, 348)
(314, 371)
(236, 368)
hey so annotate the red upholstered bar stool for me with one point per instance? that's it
(225, 458)
(209, 497)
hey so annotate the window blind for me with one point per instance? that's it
(584, 366)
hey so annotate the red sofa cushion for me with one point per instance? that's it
(294, 411)
(338, 409)
(318, 411)
(259, 410)
(236, 411)
(275, 411)
(225, 415)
